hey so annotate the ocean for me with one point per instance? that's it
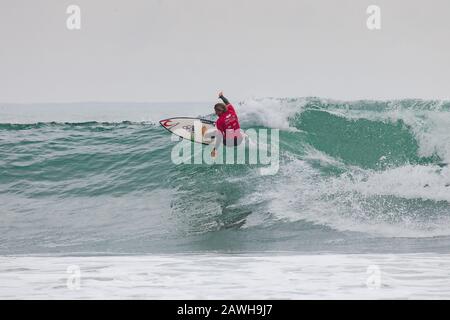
(359, 208)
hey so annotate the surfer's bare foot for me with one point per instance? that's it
(213, 153)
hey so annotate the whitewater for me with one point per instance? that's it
(363, 189)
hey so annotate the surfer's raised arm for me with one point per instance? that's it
(225, 100)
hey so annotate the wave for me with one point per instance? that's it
(377, 168)
(380, 129)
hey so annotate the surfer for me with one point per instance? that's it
(227, 124)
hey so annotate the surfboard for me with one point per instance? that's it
(185, 127)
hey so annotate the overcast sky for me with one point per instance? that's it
(186, 50)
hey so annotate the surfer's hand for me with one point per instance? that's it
(213, 153)
(220, 94)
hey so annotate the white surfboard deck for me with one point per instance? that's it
(185, 127)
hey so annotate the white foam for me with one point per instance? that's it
(214, 276)
(368, 201)
(269, 112)
(409, 182)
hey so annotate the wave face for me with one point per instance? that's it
(360, 176)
